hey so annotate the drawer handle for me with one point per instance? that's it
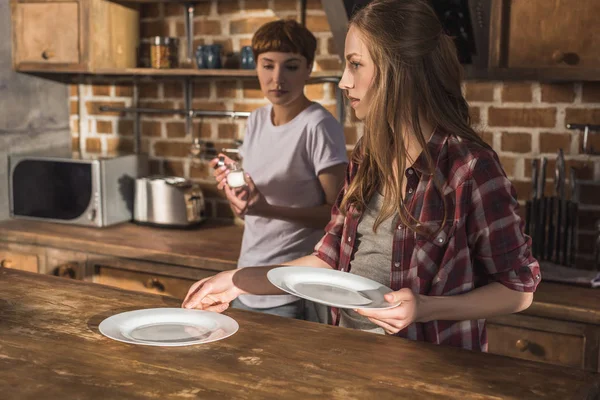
(154, 283)
(522, 344)
(6, 263)
(65, 271)
(567, 58)
(47, 54)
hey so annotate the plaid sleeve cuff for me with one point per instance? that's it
(526, 279)
(330, 261)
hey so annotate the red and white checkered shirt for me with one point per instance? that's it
(482, 240)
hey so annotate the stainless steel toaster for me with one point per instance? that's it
(168, 201)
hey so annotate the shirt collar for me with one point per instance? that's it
(434, 145)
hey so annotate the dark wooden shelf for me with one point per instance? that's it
(470, 73)
(176, 73)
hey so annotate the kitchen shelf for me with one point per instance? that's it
(315, 77)
(199, 73)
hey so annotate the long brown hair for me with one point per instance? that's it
(417, 74)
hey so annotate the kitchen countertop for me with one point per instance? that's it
(216, 246)
(50, 348)
(211, 245)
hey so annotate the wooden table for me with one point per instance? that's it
(50, 348)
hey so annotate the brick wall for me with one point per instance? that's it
(521, 120)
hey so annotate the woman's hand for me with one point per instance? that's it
(393, 320)
(220, 173)
(247, 200)
(213, 293)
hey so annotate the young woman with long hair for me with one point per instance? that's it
(426, 207)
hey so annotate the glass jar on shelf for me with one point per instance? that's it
(164, 52)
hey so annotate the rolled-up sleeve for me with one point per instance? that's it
(495, 230)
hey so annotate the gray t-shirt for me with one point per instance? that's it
(371, 259)
(284, 162)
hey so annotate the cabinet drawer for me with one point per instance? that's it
(47, 33)
(537, 345)
(142, 282)
(16, 260)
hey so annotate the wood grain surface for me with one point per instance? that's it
(211, 245)
(215, 246)
(50, 348)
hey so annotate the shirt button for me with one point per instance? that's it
(349, 239)
(397, 264)
(440, 240)
(410, 190)
(537, 277)
(410, 171)
(399, 227)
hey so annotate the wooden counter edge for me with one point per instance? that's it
(115, 250)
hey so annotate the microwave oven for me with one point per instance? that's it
(74, 189)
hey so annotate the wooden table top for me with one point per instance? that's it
(211, 245)
(50, 348)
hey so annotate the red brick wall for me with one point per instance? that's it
(521, 120)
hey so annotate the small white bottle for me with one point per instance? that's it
(235, 178)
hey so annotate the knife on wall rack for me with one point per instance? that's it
(541, 216)
(573, 218)
(533, 208)
(559, 172)
(551, 238)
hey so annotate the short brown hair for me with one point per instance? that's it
(286, 36)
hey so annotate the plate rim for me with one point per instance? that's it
(271, 277)
(124, 339)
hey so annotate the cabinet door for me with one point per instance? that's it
(537, 345)
(142, 281)
(548, 34)
(18, 260)
(552, 341)
(65, 263)
(46, 33)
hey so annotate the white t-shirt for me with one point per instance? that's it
(284, 162)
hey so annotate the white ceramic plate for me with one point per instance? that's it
(168, 327)
(330, 287)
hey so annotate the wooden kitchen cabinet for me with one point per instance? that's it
(142, 282)
(142, 276)
(73, 36)
(65, 263)
(22, 257)
(552, 38)
(545, 340)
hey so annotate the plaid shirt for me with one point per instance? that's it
(482, 240)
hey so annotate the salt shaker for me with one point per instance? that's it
(235, 178)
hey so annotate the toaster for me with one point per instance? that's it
(168, 201)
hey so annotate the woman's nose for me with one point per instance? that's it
(278, 75)
(346, 82)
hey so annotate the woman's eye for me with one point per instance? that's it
(292, 67)
(267, 66)
(354, 64)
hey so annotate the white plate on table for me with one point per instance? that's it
(168, 327)
(330, 287)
